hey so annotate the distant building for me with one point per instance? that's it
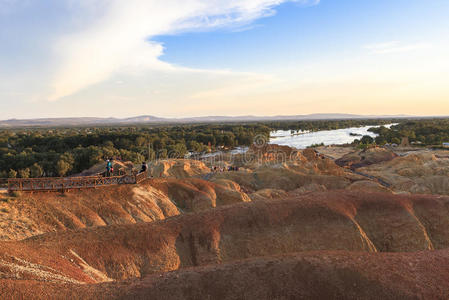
(446, 145)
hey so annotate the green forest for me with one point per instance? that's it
(427, 132)
(37, 152)
(65, 151)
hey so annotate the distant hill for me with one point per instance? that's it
(147, 119)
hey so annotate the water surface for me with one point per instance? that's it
(303, 140)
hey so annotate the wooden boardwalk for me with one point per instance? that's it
(67, 183)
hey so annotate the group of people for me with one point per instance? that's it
(110, 167)
(216, 169)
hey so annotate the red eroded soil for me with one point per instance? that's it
(308, 275)
(155, 199)
(302, 229)
(232, 252)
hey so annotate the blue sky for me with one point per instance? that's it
(298, 34)
(176, 58)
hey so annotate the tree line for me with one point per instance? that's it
(66, 151)
(425, 132)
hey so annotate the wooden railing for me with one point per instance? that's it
(141, 177)
(66, 183)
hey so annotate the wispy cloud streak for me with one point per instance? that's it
(118, 37)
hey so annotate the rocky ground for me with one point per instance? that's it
(358, 225)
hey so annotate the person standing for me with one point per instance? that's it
(108, 168)
(111, 161)
(144, 167)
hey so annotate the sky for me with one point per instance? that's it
(181, 58)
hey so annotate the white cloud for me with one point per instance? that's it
(117, 36)
(395, 47)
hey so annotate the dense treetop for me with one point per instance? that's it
(428, 132)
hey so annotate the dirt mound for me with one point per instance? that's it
(422, 173)
(228, 184)
(195, 194)
(154, 199)
(257, 156)
(368, 186)
(359, 159)
(307, 169)
(209, 247)
(315, 275)
(285, 177)
(309, 188)
(274, 153)
(33, 214)
(268, 194)
(100, 168)
(178, 168)
(348, 221)
(334, 152)
(281, 229)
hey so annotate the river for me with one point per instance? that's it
(303, 140)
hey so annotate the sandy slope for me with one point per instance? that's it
(207, 249)
(420, 173)
(33, 214)
(351, 221)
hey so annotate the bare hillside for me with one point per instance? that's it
(301, 228)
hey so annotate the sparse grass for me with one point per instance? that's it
(316, 145)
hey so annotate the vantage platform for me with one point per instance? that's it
(66, 183)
